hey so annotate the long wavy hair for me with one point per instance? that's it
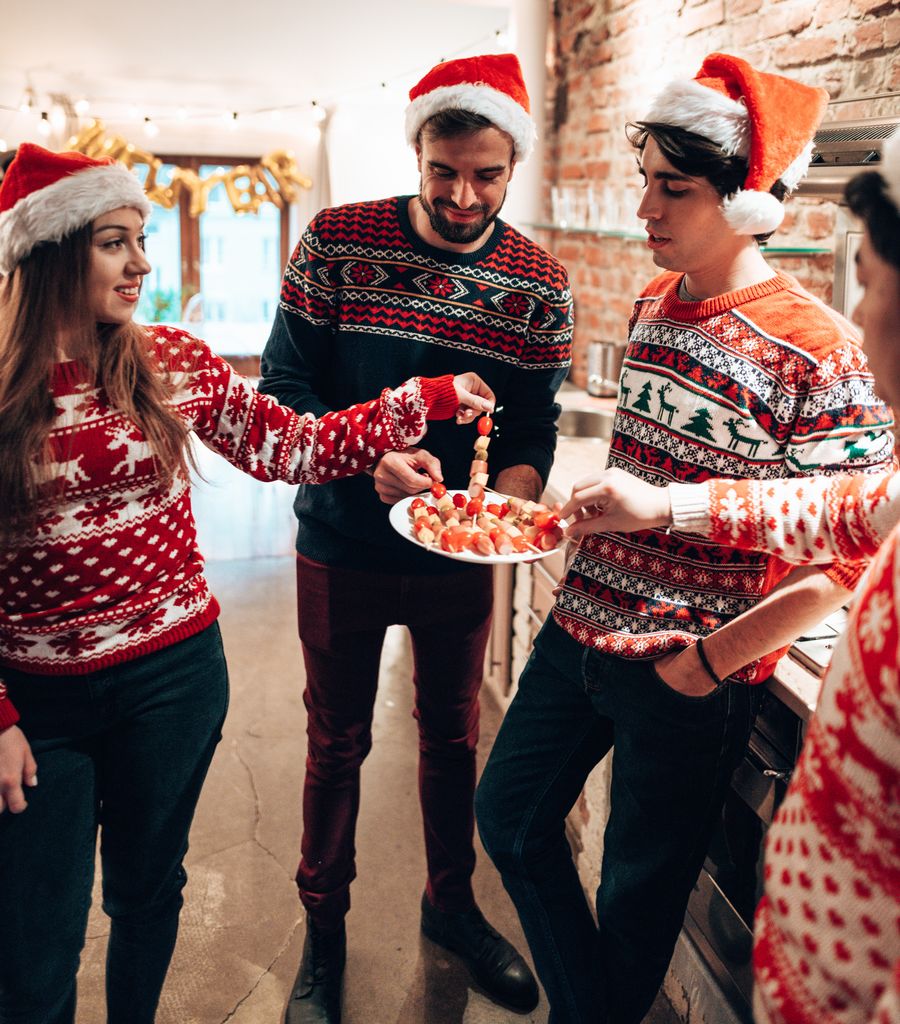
(43, 307)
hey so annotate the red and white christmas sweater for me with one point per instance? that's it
(113, 570)
(827, 945)
(804, 519)
(765, 382)
(827, 930)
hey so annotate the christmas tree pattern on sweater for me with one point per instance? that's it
(762, 383)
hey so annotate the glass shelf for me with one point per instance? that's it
(791, 250)
(632, 236)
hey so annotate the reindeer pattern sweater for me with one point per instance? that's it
(113, 570)
(764, 382)
(827, 945)
(827, 931)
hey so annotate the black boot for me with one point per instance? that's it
(316, 996)
(493, 961)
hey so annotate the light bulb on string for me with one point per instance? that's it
(3, 146)
(57, 118)
(27, 104)
(82, 106)
(151, 129)
(233, 121)
(501, 40)
(44, 127)
(181, 114)
(318, 113)
(275, 115)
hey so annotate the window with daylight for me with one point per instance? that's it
(221, 269)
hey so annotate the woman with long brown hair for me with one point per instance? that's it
(112, 676)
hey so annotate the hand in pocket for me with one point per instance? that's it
(683, 672)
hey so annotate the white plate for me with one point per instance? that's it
(401, 522)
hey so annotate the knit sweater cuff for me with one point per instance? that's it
(690, 508)
(846, 575)
(439, 396)
(8, 714)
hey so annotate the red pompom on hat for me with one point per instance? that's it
(45, 196)
(767, 119)
(491, 85)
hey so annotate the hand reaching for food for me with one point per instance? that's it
(400, 474)
(614, 501)
(474, 396)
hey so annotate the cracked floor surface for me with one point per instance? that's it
(242, 925)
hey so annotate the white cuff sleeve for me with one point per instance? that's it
(690, 508)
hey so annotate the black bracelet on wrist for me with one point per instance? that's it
(705, 662)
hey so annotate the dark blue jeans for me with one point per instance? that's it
(673, 757)
(125, 750)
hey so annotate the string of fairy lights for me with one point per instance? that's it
(57, 113)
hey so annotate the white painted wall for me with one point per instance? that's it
(367, 150)
(339, 53)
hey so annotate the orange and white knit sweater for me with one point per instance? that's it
(827, 946)
(113, 570)
(763, 383)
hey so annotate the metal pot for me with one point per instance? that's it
(604, 365)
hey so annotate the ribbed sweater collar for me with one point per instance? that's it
(695, 311)
(446, 255)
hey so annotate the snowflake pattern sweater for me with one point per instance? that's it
(764, 382)
(365, 301)
(113, 570)
(806, 519)
(828, 928)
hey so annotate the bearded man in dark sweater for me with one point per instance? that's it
(376, 292)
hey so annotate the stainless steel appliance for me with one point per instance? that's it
(843, 149)
(604, 365)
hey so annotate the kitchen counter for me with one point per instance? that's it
(577, 457)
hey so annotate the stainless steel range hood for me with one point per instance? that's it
(842, 149)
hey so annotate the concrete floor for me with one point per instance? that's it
(242, 925)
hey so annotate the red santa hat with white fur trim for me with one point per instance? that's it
(45, 196)
(765, 118)
(491, 85)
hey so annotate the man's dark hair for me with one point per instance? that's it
(867, 197)
(699, 157)
(448, 124)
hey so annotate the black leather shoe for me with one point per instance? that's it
(316, 996)
(494, 963)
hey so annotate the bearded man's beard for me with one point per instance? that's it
(454, 232)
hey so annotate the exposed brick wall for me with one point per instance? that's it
(610, 57)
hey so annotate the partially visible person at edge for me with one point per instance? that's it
(827, 945)
(731, 369)
(114, 684)
(427, 282)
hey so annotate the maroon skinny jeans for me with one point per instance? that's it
(342, 618)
